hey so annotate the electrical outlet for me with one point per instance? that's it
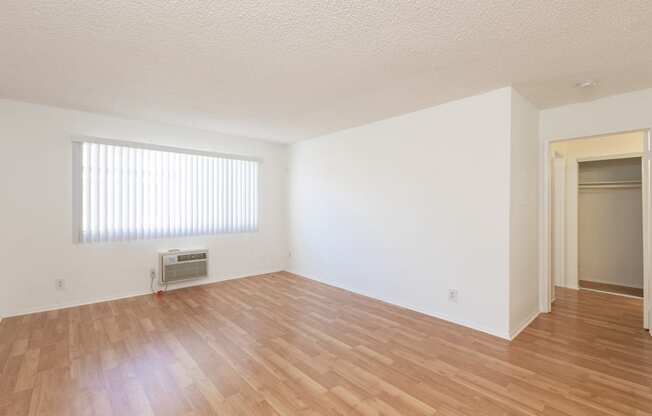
(152, 274)
(452, 295)
(59, 284)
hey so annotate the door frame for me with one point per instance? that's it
(545, 223)
(561, 226)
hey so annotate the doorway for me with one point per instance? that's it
(597, 215)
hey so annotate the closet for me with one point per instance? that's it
(610, 237)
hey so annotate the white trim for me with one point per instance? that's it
(595, 136)
(562, 224)
(610, 157)
(609, 293)
(150, 146)
(545, 276)
(513, 334)
(438, 315)
(563, 231)
(646, 192)
(66, 305)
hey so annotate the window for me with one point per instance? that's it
(124, 192)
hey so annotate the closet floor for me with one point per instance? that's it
(606, 287)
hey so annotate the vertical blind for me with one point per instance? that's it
(131, 193)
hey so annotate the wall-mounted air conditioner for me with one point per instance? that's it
(178, 266)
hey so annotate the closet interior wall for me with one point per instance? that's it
(610, 246)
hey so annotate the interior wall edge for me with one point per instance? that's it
(524, 215)
(526, 322)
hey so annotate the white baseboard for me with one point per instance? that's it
(610, 293)
(513, 334)
(100, 299)
(438, 315)
(569, 286)
(463, 322)
(66, 305)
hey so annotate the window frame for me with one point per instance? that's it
(77, 188)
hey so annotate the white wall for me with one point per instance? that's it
(406, 208)
(572, 150)
(615, 114)
(610, 248)
(35, 211)
(524, 235)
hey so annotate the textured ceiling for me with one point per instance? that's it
(291, 69)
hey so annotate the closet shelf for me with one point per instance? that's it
(610, 184)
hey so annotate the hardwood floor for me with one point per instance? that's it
(283, 345)
(606, 287)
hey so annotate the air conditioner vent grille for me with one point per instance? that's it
(187, 257)
(179, 266)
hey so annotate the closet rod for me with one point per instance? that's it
(626, 182)
(610, 186)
